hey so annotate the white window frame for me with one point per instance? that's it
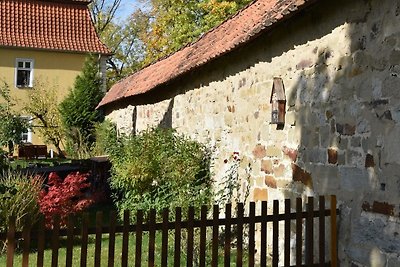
(29, 132)
(24, 61)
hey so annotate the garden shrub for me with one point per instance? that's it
(64, 197)
(160, 169)
(106, 138)
(19, 196)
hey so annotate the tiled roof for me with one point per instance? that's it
(246, 25)
(51, 25)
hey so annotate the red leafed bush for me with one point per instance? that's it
(64, 197)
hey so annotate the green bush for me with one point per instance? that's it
(106, 138)
(160, 169)
(19, 196)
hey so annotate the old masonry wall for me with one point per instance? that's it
(340, 64)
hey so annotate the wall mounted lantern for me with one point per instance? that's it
(278, 102)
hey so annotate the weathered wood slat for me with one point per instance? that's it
(190, 241)
(41, 239)
(70, 241)
(97, 248)
(203, 236)
(55, 241)
(214, 251)
(310, 232)
(275, 235)
(287, 233)
(125, 239)
(139, 238)
(152, 238)
(299, 230)
(239, 240)
(252, 216)
(164, 240)
(333, 232)
(321, 236)
(263, 250)
(11, 242)
(111, 238)
(177, 237)
(84, 239)
(227, 243)
(26, 247)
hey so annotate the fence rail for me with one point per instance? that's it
(233, 229)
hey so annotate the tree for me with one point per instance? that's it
(121, 37)
(12, 125)
(175, 23)
(43, 106)
(78, 109)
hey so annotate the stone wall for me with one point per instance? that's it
(340, 65)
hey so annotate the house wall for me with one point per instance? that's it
(340, 65)
(57, 69)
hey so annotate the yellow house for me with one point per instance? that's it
(47, 41)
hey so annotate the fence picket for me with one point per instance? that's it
(84, 239)
(190, 241)
(55, 241)
(214, 252)
(125, 239)
(321, 236)
(41, 239)
(263, 250)
(152, 237)
(287, 233)
(299, 230)
(203, 236)
(177, 248)
(25, 251)
(11, 242)
(139, 231)
(70, 241)
(333, 232)
(252, 222)
(111, 238)
(310, 232)
(239, 240)
(164, 241)
(275, 234)
(227, 246)
(97, 248)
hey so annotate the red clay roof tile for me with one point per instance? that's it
(246, 25)
(51, 25)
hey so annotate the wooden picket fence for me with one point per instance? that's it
(231, 228)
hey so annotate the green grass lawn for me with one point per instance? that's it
(118, 253)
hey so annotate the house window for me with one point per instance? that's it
(24, 72)
(27, 135)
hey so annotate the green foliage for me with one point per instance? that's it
(43, 106)
(174, 24)
(11, 124)
(78, 109)
(19, 198)
(106, 138)
(160, 169)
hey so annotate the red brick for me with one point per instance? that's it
(259, 151)
(270, 181)
(300, 175)
(332, 156)
(290, 152)
(379, 207)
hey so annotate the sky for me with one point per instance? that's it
(127, 7)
